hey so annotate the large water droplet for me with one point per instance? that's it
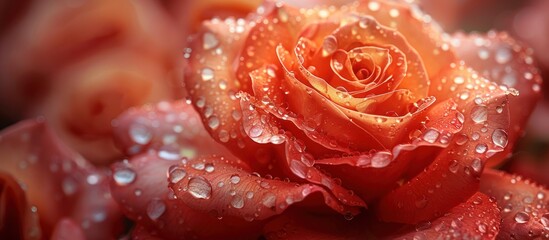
(213, 122)
(255, 131)
(235, 179)
(329, 46)
(481, 148)
(479, 114)
(199, 188)
(499, 138)
(237, 202)
(169, 152)
(155, 208)
(269, 200)
(207, 74)
(522, 217)
(373, 6)
(476, 165)
(544, 219)
(454, 166)
(177, 174)
(431, 135)
(140, 133)
(503, 55)
(381, 159)
(124, 176)
(209, 41)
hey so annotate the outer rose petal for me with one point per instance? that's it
(59, 182)
(218, 185)
(477, 218)
(484, 134)
(502, 60)
(144, 197)
(371, 174)
(174, 129)
(212, 85)
(17, 220)
(524, 205)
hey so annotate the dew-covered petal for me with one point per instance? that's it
(212, 85)
(231, 191)
(499, 58)
(58, 181)
(418, 28)
(174, 129)
(67, 229)
(476, 218)
(523, 204)
(371, 174)
(140, 186)
(17, 220)
(457, 168)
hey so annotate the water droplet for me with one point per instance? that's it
(479, 114)
(459, 80)
(235, 179)
(199, 188)
(207, 74)
(483, 54)
(394, 12)
(503, 55)
(431, 135)
(269, 200)
(476, 165)
(140, 133)
(93, 179)
(213, 122)
(249, 195)
(481, 148)
(454, 166)
(124, 176)
(224, 136)
(155, 208)
(381, 160)
(373, 6)
(329, 46)
(499, 138)
(177, 174)
(209, 41)
(544, 219)
(482, 227)
(237, 202)
(209, 167)
(169, 152)
(255, 131)
(522, 217)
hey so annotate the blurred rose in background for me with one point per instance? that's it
(78, 65)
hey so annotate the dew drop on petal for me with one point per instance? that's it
(499, 138)
(522, 217)
(213, 122)
(373, 6)
(381, 160)
(454, 166)
(269, 200)
(329, 46)
(544, 219)
(235, 179)
(481, 148)
(124, 176)
(479, 114)
(431, 135)
(476, 165)
(255, 131)
(177, 174)
(503, 55)
(156, 208)
(237, 202)
(140, 133)
(209, 41)
(199, 188)
(207, 74)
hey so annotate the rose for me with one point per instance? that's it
(412, 144)
(365, 89)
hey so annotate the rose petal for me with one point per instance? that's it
(67, 229)
(477, 218)
(211, 83)
(486, 124)
(173, 129)
(227, 190)
(59, 182)
(17, 220)
(419, 30)
(140, 186)
(371, 174)
(501, 59)
(523, 205)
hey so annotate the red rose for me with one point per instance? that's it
(366, 106)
